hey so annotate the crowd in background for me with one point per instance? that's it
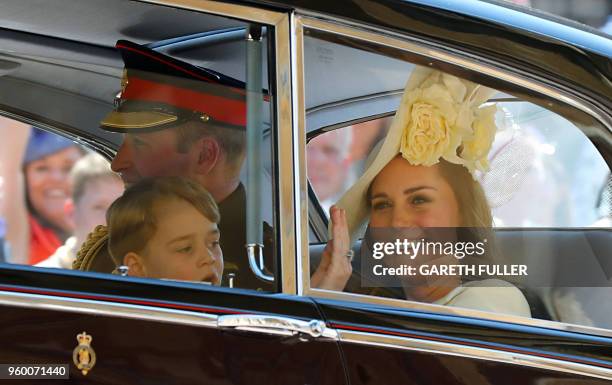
(53, 192)
(544, 172)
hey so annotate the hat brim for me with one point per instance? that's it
(355, 200)
(136, 121)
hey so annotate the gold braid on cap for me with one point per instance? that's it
(96, 240)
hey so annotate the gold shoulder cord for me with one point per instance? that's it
(89, 249)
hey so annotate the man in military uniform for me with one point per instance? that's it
(180, 119)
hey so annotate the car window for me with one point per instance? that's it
(557, 176)
(388, 142)
(187, 126)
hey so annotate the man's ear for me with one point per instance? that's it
(135, 264)
(208, 152)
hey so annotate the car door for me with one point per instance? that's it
(424, 347)
(143, 332)
(118, 329)
(385, 337)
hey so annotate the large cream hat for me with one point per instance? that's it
(439, 116)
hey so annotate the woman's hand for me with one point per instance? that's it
(335, 268)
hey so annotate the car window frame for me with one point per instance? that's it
(451, 61)
(282, 137)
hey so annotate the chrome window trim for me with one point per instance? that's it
(471, 62)
(285, 145)
(242, 12)
(445, 348)
(110, 309)
(462, 59)
(257, 323)
(299, 111)
(285, 149)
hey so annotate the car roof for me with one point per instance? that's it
(519, 18)
(531, 39)
(49, 38)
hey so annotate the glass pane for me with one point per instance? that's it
(188, 110)
(427, 169)
(557, 175)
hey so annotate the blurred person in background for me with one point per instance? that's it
(12, 196)
(365, 137)
(47, 163)
(328, 161)
(94, 187)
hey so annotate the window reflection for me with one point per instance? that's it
(543, 186)
(53, 192)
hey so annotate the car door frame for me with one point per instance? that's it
(351, 329)
(472, 64)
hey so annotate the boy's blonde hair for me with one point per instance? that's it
(131, 220)
(91, 167)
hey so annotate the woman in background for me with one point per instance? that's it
(47, 162)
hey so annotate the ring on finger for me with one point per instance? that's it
(350, 254)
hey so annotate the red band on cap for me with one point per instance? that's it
(229, 111)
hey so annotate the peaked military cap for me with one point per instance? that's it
(158, 91)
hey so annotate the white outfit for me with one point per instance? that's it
(492, 295)
(63, 256)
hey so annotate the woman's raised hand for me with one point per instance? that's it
(335, 268)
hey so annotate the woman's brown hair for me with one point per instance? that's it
(474, 209)
(476, 218)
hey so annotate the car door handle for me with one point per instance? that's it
(256, 262)
(276, 325)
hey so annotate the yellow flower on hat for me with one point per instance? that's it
(441, 118)
(435, 119)
(476, 148)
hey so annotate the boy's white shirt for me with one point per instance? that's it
(63, 256)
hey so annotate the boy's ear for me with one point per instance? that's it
(135, 264)
(208, 152)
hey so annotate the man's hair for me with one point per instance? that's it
(345, 140)
(231, 140)
(342, 138)
(89, 168)
(131, 218)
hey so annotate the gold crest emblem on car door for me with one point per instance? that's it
(83, 355)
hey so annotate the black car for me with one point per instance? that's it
(333, 75)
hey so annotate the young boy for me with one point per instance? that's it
(166, 227)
